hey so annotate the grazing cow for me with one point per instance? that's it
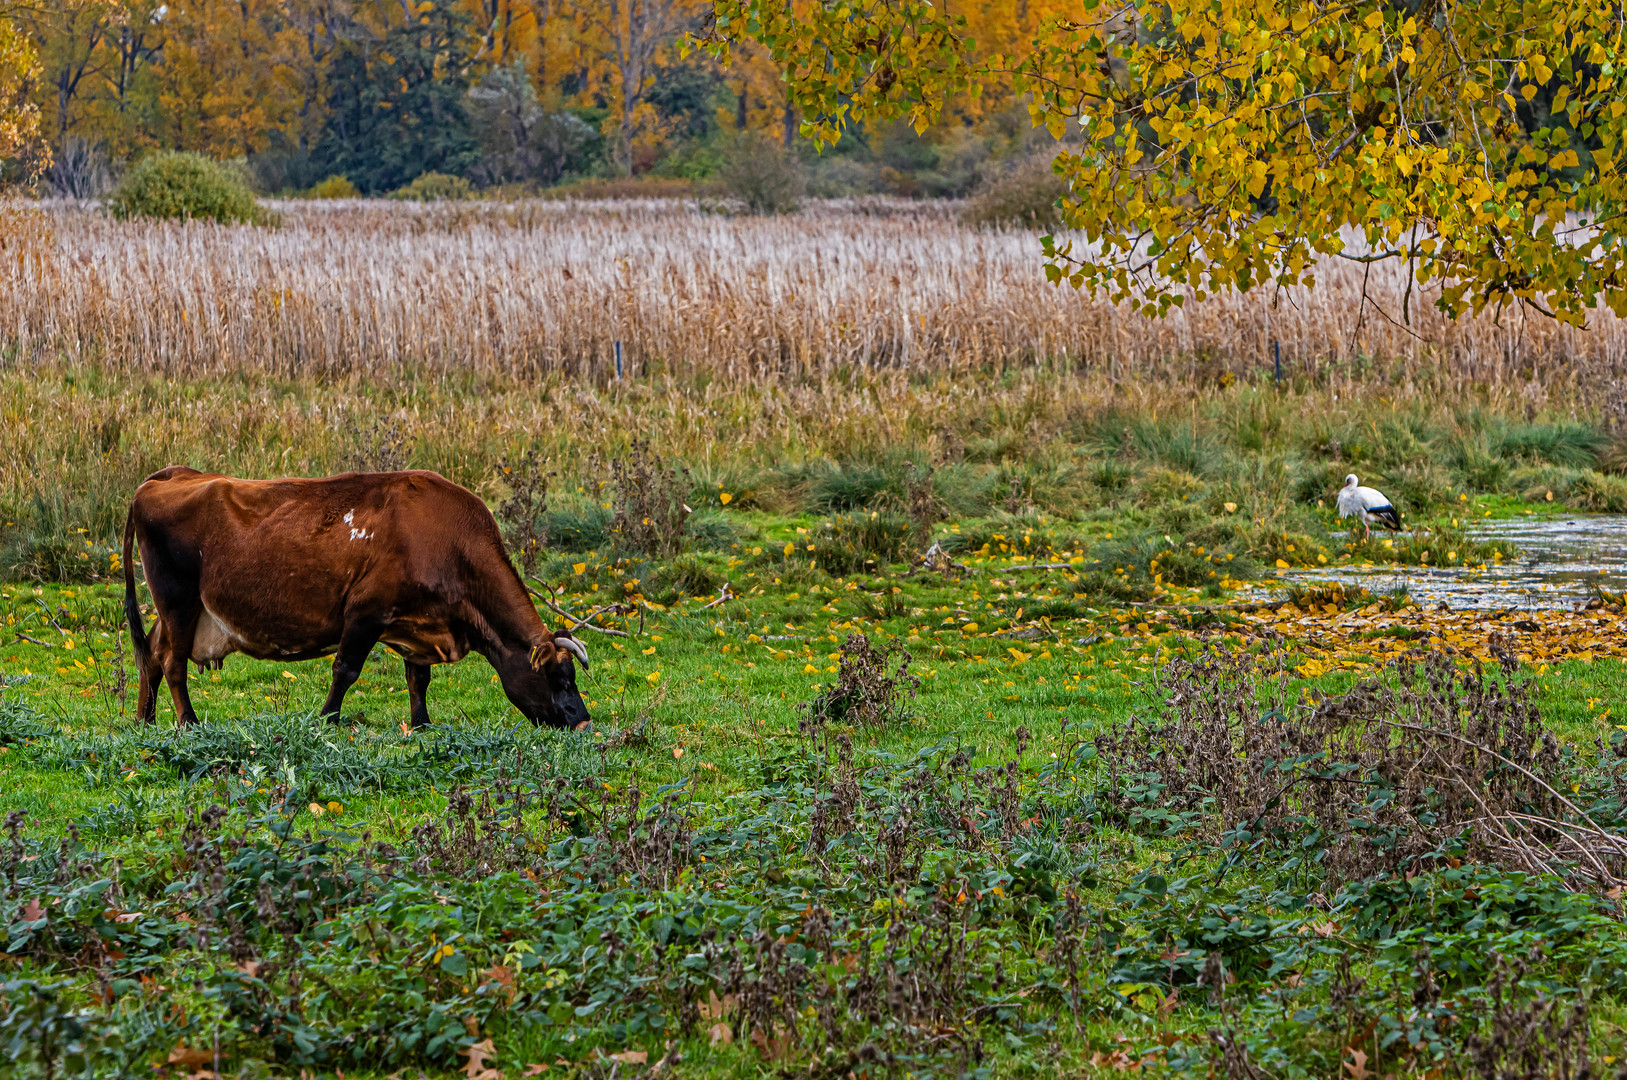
(295, 569)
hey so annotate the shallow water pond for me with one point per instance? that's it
(1559, 563)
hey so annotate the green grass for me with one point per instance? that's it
(1148, 513)
(712, 700)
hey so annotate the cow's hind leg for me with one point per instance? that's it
(174, 667)
(151, 674)
(358, 640)
(417, 688)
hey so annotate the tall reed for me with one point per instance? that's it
(532, 287)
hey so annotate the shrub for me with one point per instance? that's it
(386, 446)
(866, 692)
(762, 174)
(649, 514)
(435, 187)
(523, 516)
(178, 186)
(334, 187)
(1027, 196)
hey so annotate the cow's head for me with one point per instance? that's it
(542, 683)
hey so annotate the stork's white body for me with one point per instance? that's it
(1369, 505)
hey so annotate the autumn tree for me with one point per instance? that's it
(635, 34)
(397, 105)
(19, 114)
(1228, 144)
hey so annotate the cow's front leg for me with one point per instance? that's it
(357, 642)
(417, 688)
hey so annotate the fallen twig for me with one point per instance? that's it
(936, 559)
(37, 641)
(723, 594)
(580, 623)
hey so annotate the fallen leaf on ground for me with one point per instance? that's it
(722, 1034)
(1117, 1060)
(476, 1068)
(182, 1054)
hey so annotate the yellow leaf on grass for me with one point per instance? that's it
(725, 498)
(580, 568)
(316, 809)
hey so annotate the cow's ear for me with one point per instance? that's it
(541, 654)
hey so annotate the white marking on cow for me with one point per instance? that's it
(355, 533)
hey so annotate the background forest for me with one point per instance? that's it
(518, 93)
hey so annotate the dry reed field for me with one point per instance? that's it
(536, 287)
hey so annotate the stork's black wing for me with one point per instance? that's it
(1388, 516)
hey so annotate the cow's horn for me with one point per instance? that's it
(574, 647)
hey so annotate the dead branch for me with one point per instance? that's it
(723, 594)
(585, 621)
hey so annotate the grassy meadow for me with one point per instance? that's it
(931, 735)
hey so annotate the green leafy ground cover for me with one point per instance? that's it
(1036, 845)
(902, 768)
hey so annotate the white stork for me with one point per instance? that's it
(1373, 507)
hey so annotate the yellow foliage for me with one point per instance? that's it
(1227, 144)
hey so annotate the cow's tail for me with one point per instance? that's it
(132, 605)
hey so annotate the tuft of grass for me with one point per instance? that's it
(852, 543)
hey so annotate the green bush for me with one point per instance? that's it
(334, 187)
(762, 174)
(179, 186)
(436, 187)
(1027, 196)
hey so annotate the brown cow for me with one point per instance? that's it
(295, 569)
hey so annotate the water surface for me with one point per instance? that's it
(1560, 561)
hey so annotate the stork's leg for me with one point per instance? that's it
(417, 687)
(358, 640)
